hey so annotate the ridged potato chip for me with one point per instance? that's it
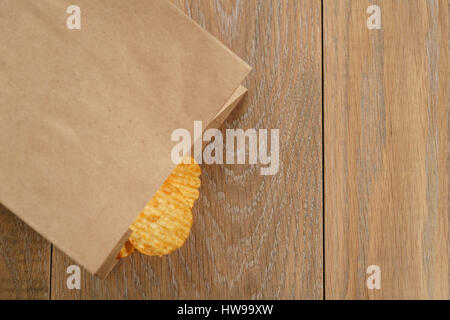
(165, 223)
(186, 178)
(126, 251)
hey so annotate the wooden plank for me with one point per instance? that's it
(386, 180)
(24, 260)
(253, 236)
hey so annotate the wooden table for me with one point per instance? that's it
(381, 159)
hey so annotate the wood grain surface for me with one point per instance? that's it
(386, 140)
(254, 236)
(386, 180)
(24, 260)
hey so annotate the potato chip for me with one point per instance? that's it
(165, 223)
(126, 251)
(186, 178)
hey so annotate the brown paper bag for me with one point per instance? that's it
(86, 115)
